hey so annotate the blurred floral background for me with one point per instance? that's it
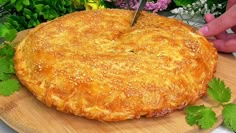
(17, 15)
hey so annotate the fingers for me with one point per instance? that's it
(227, 46)
(224, 42)
(230, 36)
(209, 18)
(224, 22)
(230, 4)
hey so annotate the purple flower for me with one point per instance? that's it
(160, 5)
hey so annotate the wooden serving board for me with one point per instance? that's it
(24, 113)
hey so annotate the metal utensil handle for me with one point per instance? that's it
(140, 7)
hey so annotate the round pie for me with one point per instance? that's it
(94, 64)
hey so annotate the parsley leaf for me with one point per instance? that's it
(6, 62)
(218, 91)
(229, 116)
(200, 115)
(7, 33)
(7, 51)
(7, 87)
(204, 116)
(4, 69)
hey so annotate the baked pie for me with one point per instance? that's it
(94, 64)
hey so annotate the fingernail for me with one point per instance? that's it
(203, 30)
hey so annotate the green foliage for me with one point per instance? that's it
(6, 68)
(204, 116)
(7, 51)
(229, 116)
(218, 91)
(6, 62)
(24, 14)
(183, 2)
(7, 85)
(211, 2)
(189, 2)
(200, 115)
(29, 13)
(7, 33)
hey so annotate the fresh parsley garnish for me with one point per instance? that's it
(218, 91)
(204, 116)
(201, 115)
(7, 51)
(8, 85)
(7, 33)
(229, 116)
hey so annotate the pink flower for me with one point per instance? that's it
(160, 5)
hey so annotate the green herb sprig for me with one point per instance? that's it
(205, 117)
(8, 84)
(17, 15)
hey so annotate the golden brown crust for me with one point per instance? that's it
(93, 64)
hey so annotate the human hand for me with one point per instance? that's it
(224, 42)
